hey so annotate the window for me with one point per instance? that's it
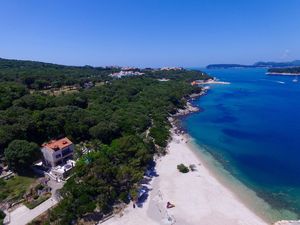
(66, 151)
(58, 156)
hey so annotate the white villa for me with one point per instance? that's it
(57, 152)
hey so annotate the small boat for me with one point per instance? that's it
(296, 79)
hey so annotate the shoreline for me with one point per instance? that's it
(241, 191)
(209, 81)
(282, 74)
(244, 194)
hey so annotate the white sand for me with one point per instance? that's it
(199, 198)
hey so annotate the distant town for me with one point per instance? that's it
(133, 71)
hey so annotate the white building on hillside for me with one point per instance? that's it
(57, 152)
(126, 73)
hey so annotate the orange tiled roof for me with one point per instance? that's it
(58, 144)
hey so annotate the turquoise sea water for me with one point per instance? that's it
(252, 127)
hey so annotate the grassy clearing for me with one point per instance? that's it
(58, 91)
(98, 84)
(15, 188)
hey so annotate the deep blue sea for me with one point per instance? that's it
(252, 126)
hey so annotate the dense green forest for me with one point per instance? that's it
(39, 75)
(124, 120)
(285, 70)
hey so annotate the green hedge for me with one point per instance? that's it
(182, 168)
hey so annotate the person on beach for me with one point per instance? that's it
(169, 205)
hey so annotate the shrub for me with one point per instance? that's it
(39, 187)
(2, 216)
(182, 168)
(20, 154)
(38, 201)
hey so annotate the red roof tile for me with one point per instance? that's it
(58, 144)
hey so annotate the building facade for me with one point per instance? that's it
(57, 152)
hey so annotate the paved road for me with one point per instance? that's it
(23, 215)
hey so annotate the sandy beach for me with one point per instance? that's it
(199, 198)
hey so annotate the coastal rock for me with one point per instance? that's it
(287, 222)
(188, 109)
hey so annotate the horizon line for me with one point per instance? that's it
(116, 65)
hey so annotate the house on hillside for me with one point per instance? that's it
(88, 85)
(57, 152)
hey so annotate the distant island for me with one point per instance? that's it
(290, 71)
(295, 63)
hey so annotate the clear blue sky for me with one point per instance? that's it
(150, 32)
